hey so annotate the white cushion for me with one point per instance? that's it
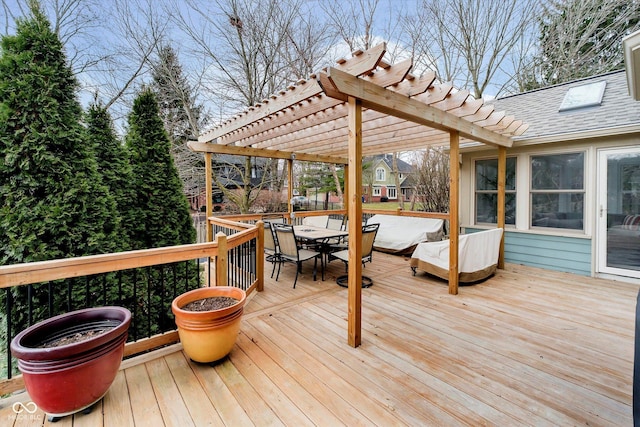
(476, 251)
(401, 232)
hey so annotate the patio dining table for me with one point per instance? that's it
(318, 237)
(311, 233)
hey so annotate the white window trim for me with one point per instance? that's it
(589, 188)
(384, 174)
(517, 191)
(392, 188)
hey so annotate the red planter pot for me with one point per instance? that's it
(69, 378)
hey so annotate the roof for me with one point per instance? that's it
(617, 113)
(403, 167)
(400, 112)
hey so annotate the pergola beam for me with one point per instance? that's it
(204, 147)
(380, 99)
(365, 106)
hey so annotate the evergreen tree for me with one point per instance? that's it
(52, 200)
(160, 207)
(53, 203)
(114, 167)
(161, 213)
(581, 38)
(181, 117)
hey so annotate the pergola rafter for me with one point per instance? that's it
(365, 106)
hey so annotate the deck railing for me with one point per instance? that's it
(298, 216)
(144, 281)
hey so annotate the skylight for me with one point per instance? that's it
(588, 95)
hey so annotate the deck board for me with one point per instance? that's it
(144, 404)
(526, 347)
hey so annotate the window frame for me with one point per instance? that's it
(582, 191)
(383, 174)
(395, 191)
(513, 191)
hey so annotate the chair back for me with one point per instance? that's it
(335, 223)
(286, 239)
(316, 221)
(269, 240)
(368, 236)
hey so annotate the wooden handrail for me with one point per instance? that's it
(44, 271)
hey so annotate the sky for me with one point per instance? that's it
(107, 30)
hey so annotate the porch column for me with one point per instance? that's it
(208, 183)
(354, 211)
(454, 227)
(290, 189)
(502, 174)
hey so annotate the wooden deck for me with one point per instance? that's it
(526, 347)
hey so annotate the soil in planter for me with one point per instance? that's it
(74, 338)
(210, 303)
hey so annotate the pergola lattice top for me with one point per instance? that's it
(401, 112)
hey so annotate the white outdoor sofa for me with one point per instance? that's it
(400, 234)
(477, 256)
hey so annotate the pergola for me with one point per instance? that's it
(360, 107)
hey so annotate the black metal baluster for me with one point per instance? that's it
(149, 305)
(70, 283)
(174, 269)
(30, 304)
(162, 308)
(134, 320)
(50, 301)
(9, 308)
(119, 287)
(87, 290)
(104, 289)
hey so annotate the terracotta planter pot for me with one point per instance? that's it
(208, 336)
(69, 378)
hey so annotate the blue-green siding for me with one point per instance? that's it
(560, 253)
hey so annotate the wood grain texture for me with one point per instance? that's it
(525, 347)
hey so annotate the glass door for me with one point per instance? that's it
(619, 212)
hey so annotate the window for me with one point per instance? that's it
(487, 191)
(400, 176)
(392, 193)
(557, 191)
(376, 191)
(381, 174)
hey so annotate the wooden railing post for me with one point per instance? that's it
(260, 257)
(221, 259)
(454, 230)
(208, 179)
(502, 173)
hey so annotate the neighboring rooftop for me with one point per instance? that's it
(540, 109)
(403, 167)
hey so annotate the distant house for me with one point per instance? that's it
(573, 180)
(380, 180)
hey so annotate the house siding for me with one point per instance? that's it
(559, 253)
(613, 125)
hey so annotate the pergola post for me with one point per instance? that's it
(502, 173)
(208, 183)
(454, 227)
(354, 211)
(290, 190)
(345, 190)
